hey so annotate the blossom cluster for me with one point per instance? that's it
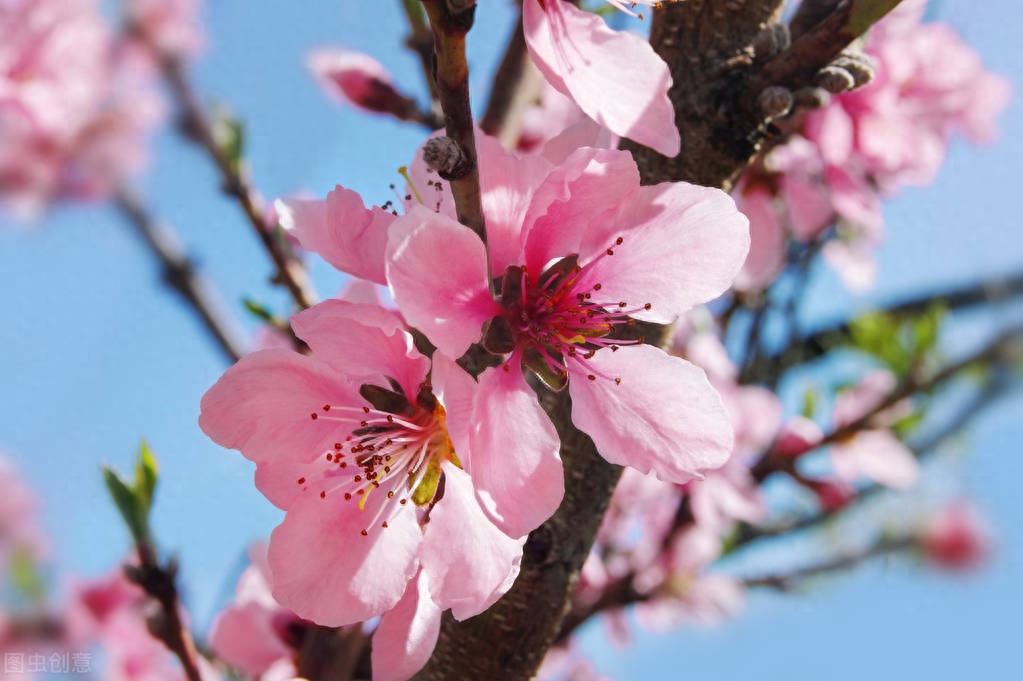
(77, 97)
(835, 164)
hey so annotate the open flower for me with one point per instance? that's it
(358, 444)
(588, 254)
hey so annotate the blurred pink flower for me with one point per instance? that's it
(359, 79)
(957, 538)
(173, 26)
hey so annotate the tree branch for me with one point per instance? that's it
(198, 128)
(788, 580)
(816, 344)
(452, 77)
(517, 82)
(179, 273)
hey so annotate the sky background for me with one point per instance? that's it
(95, 353)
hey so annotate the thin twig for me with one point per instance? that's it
(517, 83)
(159, 582)
(788, 580)
(179, 273)
(197, 126)
(773, 461)
(452, 76)
(420, 41)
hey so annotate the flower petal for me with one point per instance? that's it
(516, 465)
(877, 455)
(662, 417)
(456, 390)
(614, 76)
(365, 342)
(262, 406)
(324, 570)
(437, 271)
(468, 562)
(407, 634)
(682, 245)
(341, 230)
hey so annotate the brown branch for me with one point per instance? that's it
(197, 126)
(818, 343)
(788, 580)
(179, 273)
(452, 77)
(159, 582)
(516, 84)
(420, 41)
(773, 461)
(797, 66)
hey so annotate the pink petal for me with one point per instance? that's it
(467, 561)
(662, 417)
(507, 182)
(682, 246)
(341, 230)
(437, 271)
(262, 406)
(516, 465)
(324, 570)
(367, 343)
(456, 390)
(877, 455)
(767, 241)
(614, 76)
(244, 637)
(572, 209)
(407, 634)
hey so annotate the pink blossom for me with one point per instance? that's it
(253, 633)
(74, 104)
(358, 79)
(20, 532)
(957, 538)
(873, 451)
(357, 445)
(614, 76)
(173, 26)
(564, 301)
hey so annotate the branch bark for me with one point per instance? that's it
(451, 73)
(179, 273)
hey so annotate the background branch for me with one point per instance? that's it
(179, 273)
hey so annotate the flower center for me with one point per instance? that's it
(559, 317)
(393, 447)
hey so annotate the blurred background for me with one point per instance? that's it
(96, 353)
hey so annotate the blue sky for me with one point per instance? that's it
(95, 353)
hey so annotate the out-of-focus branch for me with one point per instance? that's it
(816, 344)
(179, 273)
(420, 41)
(160, 583)
(789, 580)
(774, 461)
(452, 77)
(750, 535)
(517, 82)
(198, 127)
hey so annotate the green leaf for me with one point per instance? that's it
(809, 403)
(146, 472)
(229, 134)
(258, 310)
(26, 578)
(127, 504)
(907, 424)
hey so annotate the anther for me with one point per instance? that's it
(364, 533)
(591, 377)
(348, 496)
(323, 494)
(301, 481)
(314, 416)
(326, 407)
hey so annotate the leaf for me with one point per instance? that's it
(229, 134)
(25, 576)
(258, 310)
(146, 472)
(126, 502)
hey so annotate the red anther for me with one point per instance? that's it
(301, 481)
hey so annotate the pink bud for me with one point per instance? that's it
(833, 495)
(798, 437)
(358, 79)
(957, 538)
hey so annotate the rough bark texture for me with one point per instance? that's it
(706, 44)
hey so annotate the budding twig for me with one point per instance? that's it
(452, 78)
(179, 273)
(197, 126)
